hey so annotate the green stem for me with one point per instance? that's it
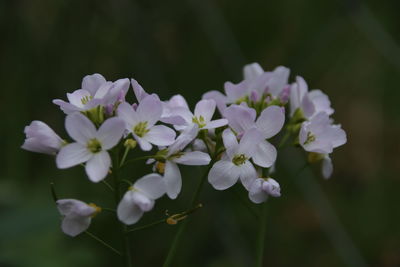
(182, 226)
(117, 194)
(135, 159)
(146, 226)
(284, 139)
(103, 242)
(261, 235)
(127, 148)
(108, 185)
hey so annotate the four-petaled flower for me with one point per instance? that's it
(91, 145)
(41, 138)
(77, 215)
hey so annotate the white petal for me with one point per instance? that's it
(71, 155)
(256, 194)
(98, 166)
(127, 114)
(205, 108)
(74, 207)
(75, 225)
(77, 96)
(278, 80)
(80, 128)
(248, 174)
(110, 132)
(240, 118)
(307, 106)
(271, 121)
(128, 212)
(229, 139)
(149, 110)
(185, 138)
(223, 175)
(216, 124)
(173, 180)
(152, 185)
(252, 71)
(92, 82)
(193, 158)
(143, 201)
(327, 167)
(143, 143)
(138, 90)
(219, 98)
(265, 155)
(160, 135)
(249, 142)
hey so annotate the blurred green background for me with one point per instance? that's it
(346, 48)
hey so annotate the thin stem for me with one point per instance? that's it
(109, 210)
(126, 244)
(261, 235)
(146, 226)
(108, 185)
(103, 243)
(135, 159)
(127, 148)
(182, 226)
(284, 139)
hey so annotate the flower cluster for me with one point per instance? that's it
(239, 146)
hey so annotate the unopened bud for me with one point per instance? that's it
(130, 143)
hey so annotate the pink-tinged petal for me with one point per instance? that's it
(143, 143)
(140, 93)
(177, 101)
(72, 155)
(230, 142)
(143, 201)
(327, 167)
(272, 187)
(127, 211)
(223, 175)
(41, 138)
(337, 136)
(66, 107)
(91, 83)
(74, 207)
(265, 155)
(218, 97)
(74, 226)
(149, 110)
(118, 90)
(110, 132)
(103, 90)
(151, 185)
(216, 124)
(185, 138)
(160, 135)
(173, 180)
(78, 96)
(297, 92)
(235, 91)
(252, 71)
(307, 106)
(250, 141)
(256, 194)
(247, 174)
(128, 115)
(194, 158)
(240, 118)
(205, 108)
(321, 101)
(271, 121)
(278, 80)
(98, 166)
(173, 119)
(80, 128)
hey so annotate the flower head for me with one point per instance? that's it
(91, 145)
(262, 188)
(77, 215)
(41, 138)
(140, 198)
(141, 123)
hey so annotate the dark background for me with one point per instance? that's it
(346, 48)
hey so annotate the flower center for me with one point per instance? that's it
(239, 159)
(200, 121)
(310, 138)
(160, 167)
(94, 145)
(140, 129)
(97, 209)
(86, 99)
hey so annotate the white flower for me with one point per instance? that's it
(77, 215)
(320, 135)
(310, 103)
(95, 91)
(141, 123)
(269, 123)
(262, 188)
(41, 138)
(140, 198)
(236, 163)
(91, 145)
